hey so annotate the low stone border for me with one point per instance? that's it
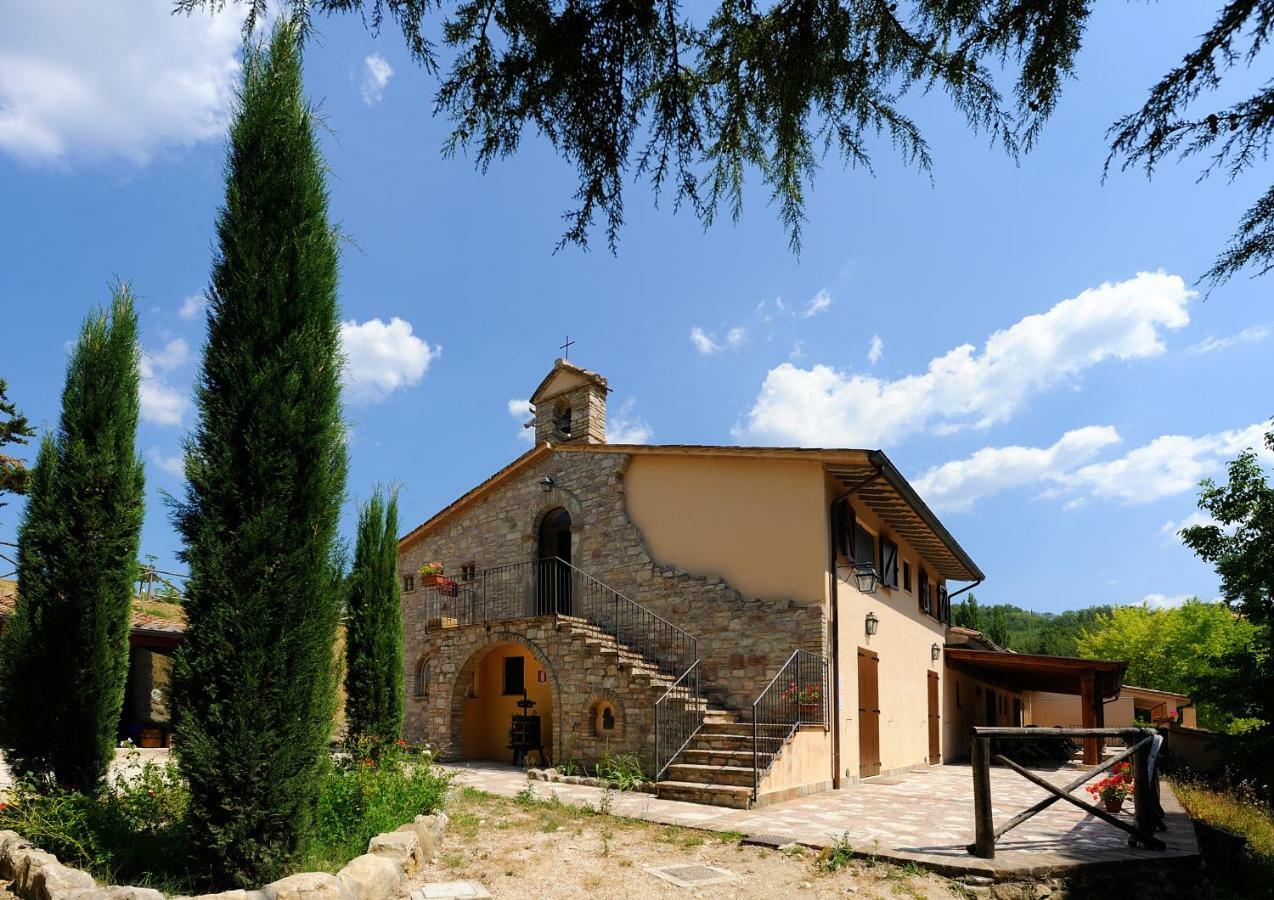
(376, 875)
(644, 787)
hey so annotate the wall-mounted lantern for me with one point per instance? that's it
(866, 576)
(872, 623)
(934, 652)
(547, 484)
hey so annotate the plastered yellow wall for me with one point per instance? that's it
(804, 762)
(759, 524)
(903, 640)
(964, 705)
(489, 714)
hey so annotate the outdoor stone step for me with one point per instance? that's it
(710, 757)
(692, 773)
(712, 794)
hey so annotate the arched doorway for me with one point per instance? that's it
(553, 586)
(492, 685)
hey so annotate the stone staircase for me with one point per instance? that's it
(717, 766)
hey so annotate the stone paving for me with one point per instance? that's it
(924, 816)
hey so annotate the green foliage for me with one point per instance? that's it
(254, 681)
(695, 97)
(133, 832)
(967, 614)
(998, 629)
(370, 790)
(836, 857)
(621, 770)
(1239, 547)
(64, 656)
(14, 429)
(374, 627)
(1177, 649)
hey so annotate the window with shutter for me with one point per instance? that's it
(843, 528)
(888, 563)
(922, 590)
(906, 576)
(944, 604)
(864, 545)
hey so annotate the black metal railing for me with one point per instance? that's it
(796, 696)
(545, 587)
(678, 715)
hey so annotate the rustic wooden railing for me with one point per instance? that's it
(1146, 816)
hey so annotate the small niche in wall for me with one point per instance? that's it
(606, 719)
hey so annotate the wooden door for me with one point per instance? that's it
(868, 713)
(935, 750)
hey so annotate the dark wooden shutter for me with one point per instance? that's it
(843, 527)
(888, 563)
(922, 590)
(868, 713)
(944, 604)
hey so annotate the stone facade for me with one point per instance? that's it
(580, 677)
(742, 641)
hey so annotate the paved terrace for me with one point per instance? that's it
(925, 817)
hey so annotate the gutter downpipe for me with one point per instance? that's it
(835, 676)
(968, 587)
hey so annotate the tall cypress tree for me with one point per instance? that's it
(253, 684)
(374, 627)
(64, 659)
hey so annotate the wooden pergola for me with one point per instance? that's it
(1093, 680)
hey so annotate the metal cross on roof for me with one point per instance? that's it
(566, 348)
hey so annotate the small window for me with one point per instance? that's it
(514, 675)
(409, 582)
(922, 591)
(423, 673)
(888, 563)
(864, 545)
(906, 576)
(469, 572)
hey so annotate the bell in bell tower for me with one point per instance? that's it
(570, 406)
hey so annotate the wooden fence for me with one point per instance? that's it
(1147, 817)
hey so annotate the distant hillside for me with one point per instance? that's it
(1024, 630)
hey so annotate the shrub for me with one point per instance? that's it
(622, 771)
(368, 790)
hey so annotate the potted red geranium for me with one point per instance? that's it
(431, 574)
(1114, 788)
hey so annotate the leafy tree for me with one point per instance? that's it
(693, 104)
(14, 429)
(374, 627)
(254, 681)
(1178, 649)
(1241, 547)
(998, 629)
(967, 614)
(64, 657)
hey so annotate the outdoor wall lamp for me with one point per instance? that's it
(866, 577)
(547, 483)
(934, 652)
(872, 623)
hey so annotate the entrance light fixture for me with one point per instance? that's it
(872, 623)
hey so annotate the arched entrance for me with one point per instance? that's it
(553, 585)
(488, 692)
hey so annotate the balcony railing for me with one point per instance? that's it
(546, 587)
(796, 696)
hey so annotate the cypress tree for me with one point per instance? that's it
(374, 627)
(64, 658)
(254, 682)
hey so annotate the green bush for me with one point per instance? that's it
(364, 793)
(136, 831)
(622, 771)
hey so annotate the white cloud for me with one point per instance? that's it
(192, 306)
(818, 303)
(522, 411)
(1171, 601)
(875, 349)
(703, 342)
(376, 74)
(173, 465)
(735, 336)
(1171, 464)
(1172, 528)
(957, 485)
(798, 350)
(381, 358)
(821, 406)
(161, 403)
(1168, 465)
(113, 80)
(1251, 335)
(626, 427)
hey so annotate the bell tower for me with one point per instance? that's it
(570, 406)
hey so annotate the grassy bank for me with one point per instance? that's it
(1238, 810)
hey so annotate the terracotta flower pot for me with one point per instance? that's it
(1113, 804)
(432, 580)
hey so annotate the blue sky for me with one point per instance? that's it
(1059, 445)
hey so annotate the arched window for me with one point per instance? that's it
(562, 420)
(422, 678)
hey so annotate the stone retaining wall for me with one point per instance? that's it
(377, 875)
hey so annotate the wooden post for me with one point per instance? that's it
(1143, 793)
(1088, 713)
(984, 825)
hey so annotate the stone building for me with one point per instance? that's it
(657, 600)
